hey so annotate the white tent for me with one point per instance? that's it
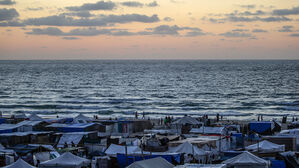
(209, 130)
(66, 160)
(68, 139)
(188, 148)
(266, 147)
(157, 162)
(34, 117)
(113, 150)
(187, 120)
(246, 160)
(20, 163)
(81, 119)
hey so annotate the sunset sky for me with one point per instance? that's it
(146, 29)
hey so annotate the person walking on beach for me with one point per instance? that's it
(136, 115)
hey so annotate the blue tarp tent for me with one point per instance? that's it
(121, 158)
(263, 127)
(278, 164)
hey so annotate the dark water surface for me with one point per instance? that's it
(233, 88)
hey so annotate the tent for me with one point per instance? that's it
(209, 130)
(69, 139)
(149, 163)
(187, 120)
(20, 163)
(66, 160)
(261, 127)
(34, 117)
(113, 150)
(188, 148)
(266, 147)
(246, 160)
(81, 119)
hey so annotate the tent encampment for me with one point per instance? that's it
(149, 163)
(246, 160)
(266, 147)
(66, 160)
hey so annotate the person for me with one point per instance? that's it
(143, 115)
(136, 114)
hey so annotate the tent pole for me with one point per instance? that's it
(126, 149)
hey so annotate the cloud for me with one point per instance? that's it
(51, 31)
(240, 30)
(7, 2)
(35, 9)
(168, 19)
(294, 35)
(259, 31)
(132, 4)
(70, 38)
(91, 31)
(83, 14)
(293, 11)
(253, 19)
(102, 20)
(286, 28)
(8, 14)
(248, 6)
(13, 23)
(172, 30)
(236, 34)
(152, 4)
(100, 5)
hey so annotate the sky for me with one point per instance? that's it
(147, 29)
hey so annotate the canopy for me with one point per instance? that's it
(34, 117)
(187, 148)
(187, 120)
(266, 147)
(149, 163)
(246, 159)
(20, 163)
(81, 119)
(66, 160)
(115, 149)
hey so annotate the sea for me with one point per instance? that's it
(235, 89)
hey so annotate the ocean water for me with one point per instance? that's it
(235, 89)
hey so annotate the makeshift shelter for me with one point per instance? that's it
(262, 127)
(81, 119)
(266, 147)
(209, 130)
(149, 163)
(188, 148)
(34, 117)
(187, 120)
(66, 160)
(69, 139)
(188, 165)
(113, 150)
(20, 163)
(246, 160)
